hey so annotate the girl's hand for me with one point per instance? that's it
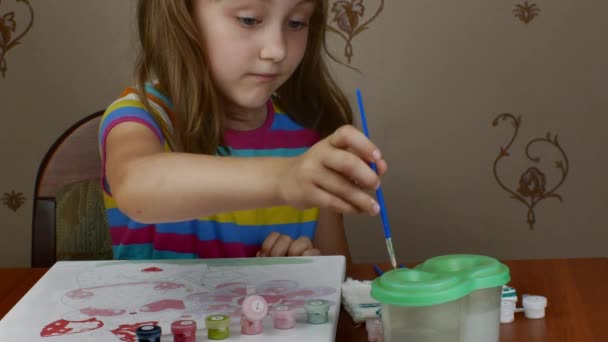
(277, 245)
(335, 174)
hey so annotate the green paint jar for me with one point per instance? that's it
(317, 311)
(218, 327)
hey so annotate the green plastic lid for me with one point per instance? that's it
(483, 271)
(410, 287)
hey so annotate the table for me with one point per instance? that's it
(576, 289)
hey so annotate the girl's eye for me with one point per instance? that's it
(248, 21)
(296, 25)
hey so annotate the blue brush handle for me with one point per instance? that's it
(379, 195)
(378, 270)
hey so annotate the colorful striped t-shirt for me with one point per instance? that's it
(230, 234)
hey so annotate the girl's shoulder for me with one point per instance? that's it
(130, 102)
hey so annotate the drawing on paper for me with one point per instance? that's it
(112, 302)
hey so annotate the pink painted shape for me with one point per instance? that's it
(152, 269)
(126, 332)
(63, 327)
(300, 293)
(167, 285)
(94, 312)
(165, 304)
(80, 294)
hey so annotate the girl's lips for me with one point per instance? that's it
(265, 77)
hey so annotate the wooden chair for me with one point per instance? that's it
(72, 158)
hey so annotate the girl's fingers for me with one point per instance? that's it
(300, 245)
(348, 192)
(281, 246)
(277, 245)
(324, 199)
(311, 252)
(268, 243)
(348, 137)
(352, 167)
(382, 167)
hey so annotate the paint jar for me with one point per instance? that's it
(534, 306)
(148, 333)
(507, 311)
(218, 327)
(184, 331)
(317, 311)
(253, 311)
(284, 317)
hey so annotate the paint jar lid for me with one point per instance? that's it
(183, 327)
(534, 302)
(282, 311)
(217, 321)
(412, 287)
(148, 332)
(483, 271)
(316, 306)
(508, 293)
(255, 308)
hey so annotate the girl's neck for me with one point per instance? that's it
(245, 119)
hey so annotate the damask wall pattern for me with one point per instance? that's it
(13, 27)
(348, 18)
(13, 200)
(526, 12)
(16, 20)
(533, 186)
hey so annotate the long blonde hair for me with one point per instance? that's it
(171, 53)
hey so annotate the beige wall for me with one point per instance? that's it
(73, 62)
(434, 75)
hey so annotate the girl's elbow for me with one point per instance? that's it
(131, 205)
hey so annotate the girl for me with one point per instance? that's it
(236, 141)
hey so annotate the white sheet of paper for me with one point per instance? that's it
(88, 301)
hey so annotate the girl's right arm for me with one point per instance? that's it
(153, 186)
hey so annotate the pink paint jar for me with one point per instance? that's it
(254, 309)
(184, 331)
(284, 317)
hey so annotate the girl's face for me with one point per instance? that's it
(253, 46)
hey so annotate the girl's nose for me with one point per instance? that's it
(274, 45)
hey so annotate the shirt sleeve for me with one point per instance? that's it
(126, 109)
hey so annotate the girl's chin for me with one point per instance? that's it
(251, 101)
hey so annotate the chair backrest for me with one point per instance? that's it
(73, 157)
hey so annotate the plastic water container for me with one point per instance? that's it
(451, 298)
(418, 306)
(486, 277)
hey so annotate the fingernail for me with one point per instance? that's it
(377, 155)
(375, 207)
(377, 186)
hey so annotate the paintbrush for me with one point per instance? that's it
(379, 195)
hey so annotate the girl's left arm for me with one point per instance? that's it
(330, 237)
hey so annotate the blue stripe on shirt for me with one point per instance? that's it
(131, 113)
